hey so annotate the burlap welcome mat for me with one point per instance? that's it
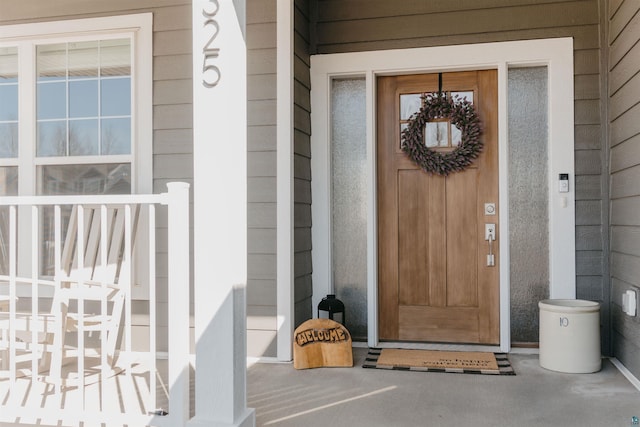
(462, 362)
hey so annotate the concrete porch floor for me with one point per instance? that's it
(354, 397)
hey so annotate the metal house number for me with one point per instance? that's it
(564, 322)
(210, 72)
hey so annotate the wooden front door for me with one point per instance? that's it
(434, 283)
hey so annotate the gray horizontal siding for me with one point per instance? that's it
(36, 10)
(172, 118)
(302, 163)
(261, 172)
(368, 9)
(426, 23)
(378, 24)
(624, 110)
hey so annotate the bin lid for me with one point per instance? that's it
(569, 305)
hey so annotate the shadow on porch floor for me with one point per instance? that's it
(353, 397)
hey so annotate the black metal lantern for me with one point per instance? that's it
(332, 306)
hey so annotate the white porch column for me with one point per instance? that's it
(220, 212)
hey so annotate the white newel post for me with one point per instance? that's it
(178, 272)
(220, 212)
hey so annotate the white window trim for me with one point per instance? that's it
(139, 27)
(556, 54)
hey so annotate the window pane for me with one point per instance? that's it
(84, 59)
(83, 98)
(8, 187)
(93, 82)
(8, 140)
(115, 57)
(116, 136)
(409, 104)
(83, 138)
(52, 138)
(436, 134)
(463, 95)
(116, 97)
(112, 178)
(8, 181)
(8, 65)
(52, 62)
(52, 101)
(456, 133)
(8, 102)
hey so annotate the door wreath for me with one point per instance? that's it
(462, 114)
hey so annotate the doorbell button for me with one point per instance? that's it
(489, 208)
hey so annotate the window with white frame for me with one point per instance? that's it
(83, 117)
(75, 109)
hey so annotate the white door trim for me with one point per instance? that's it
(284, 182)
(556, 54)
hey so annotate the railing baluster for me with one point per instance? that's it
(126, 266)
(13, 244)
(81, 350)
(153, 398)
(58, 343)
(35, 300)
(104, 255)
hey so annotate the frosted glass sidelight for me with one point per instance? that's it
(348, 200)
(528, 199)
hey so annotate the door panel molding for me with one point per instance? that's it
(556, 54)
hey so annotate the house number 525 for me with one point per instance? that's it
(210, 72)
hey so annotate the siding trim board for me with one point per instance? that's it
(285, 191)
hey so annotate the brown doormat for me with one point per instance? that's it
(439, 361)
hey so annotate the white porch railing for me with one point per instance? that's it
(52, 376)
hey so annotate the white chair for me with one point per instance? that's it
(99, 282)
